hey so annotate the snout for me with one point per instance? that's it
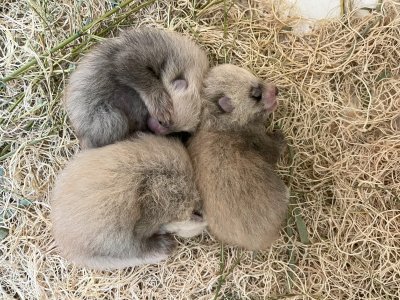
(156, 127)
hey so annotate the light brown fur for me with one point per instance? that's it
(116, 206)
(244, 201)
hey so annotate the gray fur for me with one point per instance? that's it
(124, 81)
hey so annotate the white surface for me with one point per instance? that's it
(314, 10)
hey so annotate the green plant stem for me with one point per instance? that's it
(75, 36)
(223, 275)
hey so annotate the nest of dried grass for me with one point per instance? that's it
(340, 100)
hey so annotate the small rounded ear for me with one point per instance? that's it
(226, 104)
(180, 84)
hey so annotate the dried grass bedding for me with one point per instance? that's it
(339, 108)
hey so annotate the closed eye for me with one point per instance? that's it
(256, 93)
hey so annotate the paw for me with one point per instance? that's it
(188, 228)
(192, 228)
(162, 109)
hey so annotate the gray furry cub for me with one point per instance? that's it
(145, 80)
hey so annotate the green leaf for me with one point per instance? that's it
(383, 75)
(24, 202)
(3, 233)
(301, 227)
(291, 254)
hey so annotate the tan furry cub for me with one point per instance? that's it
(244, 200)
(116, 206)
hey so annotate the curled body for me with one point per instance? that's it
(119, 205)
(244, 200)
(147, 79)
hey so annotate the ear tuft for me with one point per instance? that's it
(226, 104)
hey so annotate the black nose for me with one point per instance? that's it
(256, 93)
(276, 91)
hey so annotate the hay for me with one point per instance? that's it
(340, 99)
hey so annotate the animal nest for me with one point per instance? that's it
(339, 108)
